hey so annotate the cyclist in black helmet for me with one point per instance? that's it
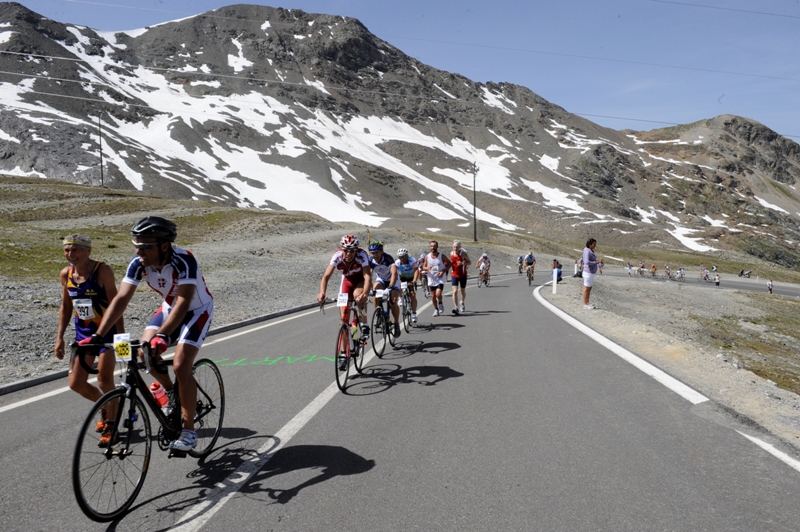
(184, 316)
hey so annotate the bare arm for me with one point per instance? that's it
(64, 314)
(323, 284)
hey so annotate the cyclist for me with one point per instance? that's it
(422, 274)
(184, 316)
(385, 271)
(629, 268)
(436, 265)
(679, 274)
(641, 267)
(519, 265)
(353, 262)
(653, 270)
(408, 271)
(86, 288)
(460, 261)
(484, 263)
(530, 263)
(667, 270)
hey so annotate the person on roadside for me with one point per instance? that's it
(769, 286)
(589, 271)
(600, 266)
(716, 280)
(87, 287)
(458, 275)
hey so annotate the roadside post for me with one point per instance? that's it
(555, 279)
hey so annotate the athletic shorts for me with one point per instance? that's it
(459, 281)
(436, 287)
(588, 279)
(347, 286)
(384, 284)
(192, 330)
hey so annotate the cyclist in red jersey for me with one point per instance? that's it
(458, 276)
(353, 262)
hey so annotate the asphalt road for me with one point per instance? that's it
(503, 418)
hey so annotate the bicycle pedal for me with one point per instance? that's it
(174, 453)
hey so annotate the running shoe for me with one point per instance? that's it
(435, 312)
(589, 307)
(463, 308)
(105, 438)
(455, 311)
(441, 308)
(101, 425)
(186, 442)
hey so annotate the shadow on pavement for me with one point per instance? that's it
(380, 378)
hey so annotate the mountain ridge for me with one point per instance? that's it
(281, 109)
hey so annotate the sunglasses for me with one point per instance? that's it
(143, 247)
(346, 251)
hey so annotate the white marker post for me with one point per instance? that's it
(555, 279)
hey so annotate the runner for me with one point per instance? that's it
(184, 316)
(408, 270)
(385, 271)
(353, 262)
(87, 287)
(436, 266)
(460, 261)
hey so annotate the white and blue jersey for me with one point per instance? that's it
(406, 271)
(383, 269)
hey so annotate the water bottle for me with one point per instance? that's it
(354, 328)
(159, 394)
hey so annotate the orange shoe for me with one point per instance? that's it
(101, 425)
(105, 438)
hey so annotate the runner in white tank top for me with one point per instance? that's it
(436, 267)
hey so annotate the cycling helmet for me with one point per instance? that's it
(349, 242)
(155, 227)
(485, 256)
(402, 252)
(376, 245)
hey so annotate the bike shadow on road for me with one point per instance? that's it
(382, 377)
(438, 326)
(304, 466)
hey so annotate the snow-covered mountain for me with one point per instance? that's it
(280, 109)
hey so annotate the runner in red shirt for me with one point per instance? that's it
(458, 276)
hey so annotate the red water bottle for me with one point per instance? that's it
(159, 394)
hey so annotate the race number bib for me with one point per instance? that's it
(403, 285)
(341, 300)
(122, 345)
(84, 309)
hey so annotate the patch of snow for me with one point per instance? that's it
(768, 205)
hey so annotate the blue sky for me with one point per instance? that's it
(625, 64)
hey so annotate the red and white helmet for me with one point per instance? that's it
(349, 242)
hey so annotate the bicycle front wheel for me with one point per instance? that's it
(407, 313)
(530, 278)
(378, 332)
(358, 352)
(107, 476)
(210, 409)
(342, 358)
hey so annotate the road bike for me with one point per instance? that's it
(382, 327)
(702, 278)
(483, 278)
(405, 302)
(668, 276)
(426, 291)
(530, 276)
(351, 345)
(519, 268)
(108, 475)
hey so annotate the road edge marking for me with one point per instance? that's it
(688, 393)
(780, 455)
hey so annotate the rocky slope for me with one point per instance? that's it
(285, 110)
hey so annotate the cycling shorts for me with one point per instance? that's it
(348, 287)
(385, 284)
(192, 330)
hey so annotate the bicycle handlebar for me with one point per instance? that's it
(82, 351)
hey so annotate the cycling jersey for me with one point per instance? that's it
(89, 302)
(382, 269)
(459, 265)
(519, 260)
(182, 269)
(484, 262)
(355, 268)
(529, 259)
(406, 271)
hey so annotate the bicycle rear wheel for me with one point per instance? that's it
(378, 332)
(210, 406)
(406, 313)
(107, 479)
(480, 280)
(530, 278)
(342, 353)
(358, 351)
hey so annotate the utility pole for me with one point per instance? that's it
(474, 203)
(100, 141)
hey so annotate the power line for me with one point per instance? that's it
(726, 9)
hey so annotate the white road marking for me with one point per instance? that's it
(670, 382)
(780, 455)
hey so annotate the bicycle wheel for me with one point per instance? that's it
(378, 332)
(358, 351)
(486, 280)
(210, 406)
(107, 479)
(425, 290)
(480, 280)
(530, 278)
(342, 352)
(390, 331)
(406, 313)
